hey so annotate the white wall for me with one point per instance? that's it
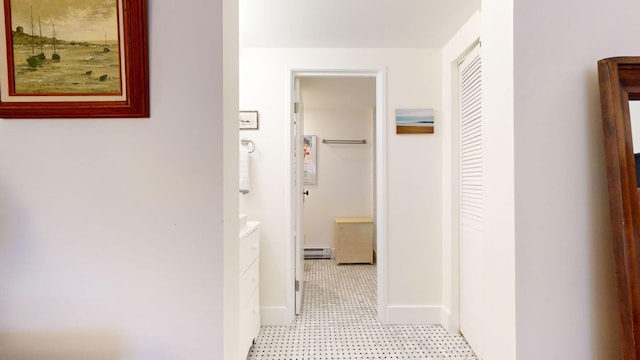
(564, 269)
(549, 280)
(493, 336)
(230, 172)
(462, 42)
(495, 262)
(338, 108)
(414, 226)
(112, 230)
(498, 257)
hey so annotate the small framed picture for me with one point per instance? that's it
(248, 120)
(309, 151)
(414, 121)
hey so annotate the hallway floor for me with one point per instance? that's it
(338, 321)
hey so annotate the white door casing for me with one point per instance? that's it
(297, 186)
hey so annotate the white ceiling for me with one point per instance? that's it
(352, 23)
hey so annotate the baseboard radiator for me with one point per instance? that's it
(317, 253)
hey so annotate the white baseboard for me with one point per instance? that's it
(415, 315)
(449, 321)
(445, 319)
(396, 314)
(275, 315)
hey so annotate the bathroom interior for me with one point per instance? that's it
(338, 171)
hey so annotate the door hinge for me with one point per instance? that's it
(296, 107)
(297, 285)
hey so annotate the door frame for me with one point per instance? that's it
(380, 173)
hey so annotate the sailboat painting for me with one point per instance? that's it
(64, 48)
(414, 121)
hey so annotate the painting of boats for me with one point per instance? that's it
(73, 56)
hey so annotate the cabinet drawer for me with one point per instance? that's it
(253, 315)
(249, 282)
(249, 322)
(249, 249)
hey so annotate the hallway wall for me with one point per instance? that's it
(463, 41)
(498, 337)
(494, 335)
(111, 241)
(548, 270)
(564, 265)
(414, 252)
(549, 257)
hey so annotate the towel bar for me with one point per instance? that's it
(325, 141)
(250, 144)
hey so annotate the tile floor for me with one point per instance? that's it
(338, 321)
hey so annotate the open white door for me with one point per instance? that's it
(298, 179)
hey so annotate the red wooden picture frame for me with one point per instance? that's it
(132, 102)
(619, 83)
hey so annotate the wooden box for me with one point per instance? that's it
(353, 240)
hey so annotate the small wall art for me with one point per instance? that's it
(248, 120)
(414, 121)
(309, 150)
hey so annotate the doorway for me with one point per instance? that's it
(377, 191)
(339, 143)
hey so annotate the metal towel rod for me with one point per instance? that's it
(250, 144)
(325, 141)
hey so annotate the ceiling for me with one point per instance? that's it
(352, 23)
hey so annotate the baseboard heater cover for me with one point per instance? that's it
(317, 253)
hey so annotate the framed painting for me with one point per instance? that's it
(414, 121)
(248, 120)
(310, 170)
(74, 59)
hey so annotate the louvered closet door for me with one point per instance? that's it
(471, 197)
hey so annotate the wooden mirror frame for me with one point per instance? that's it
(619, 83)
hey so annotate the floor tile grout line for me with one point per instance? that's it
(338, 321)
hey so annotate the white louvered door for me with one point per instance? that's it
(471, 144)
(471, 198)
